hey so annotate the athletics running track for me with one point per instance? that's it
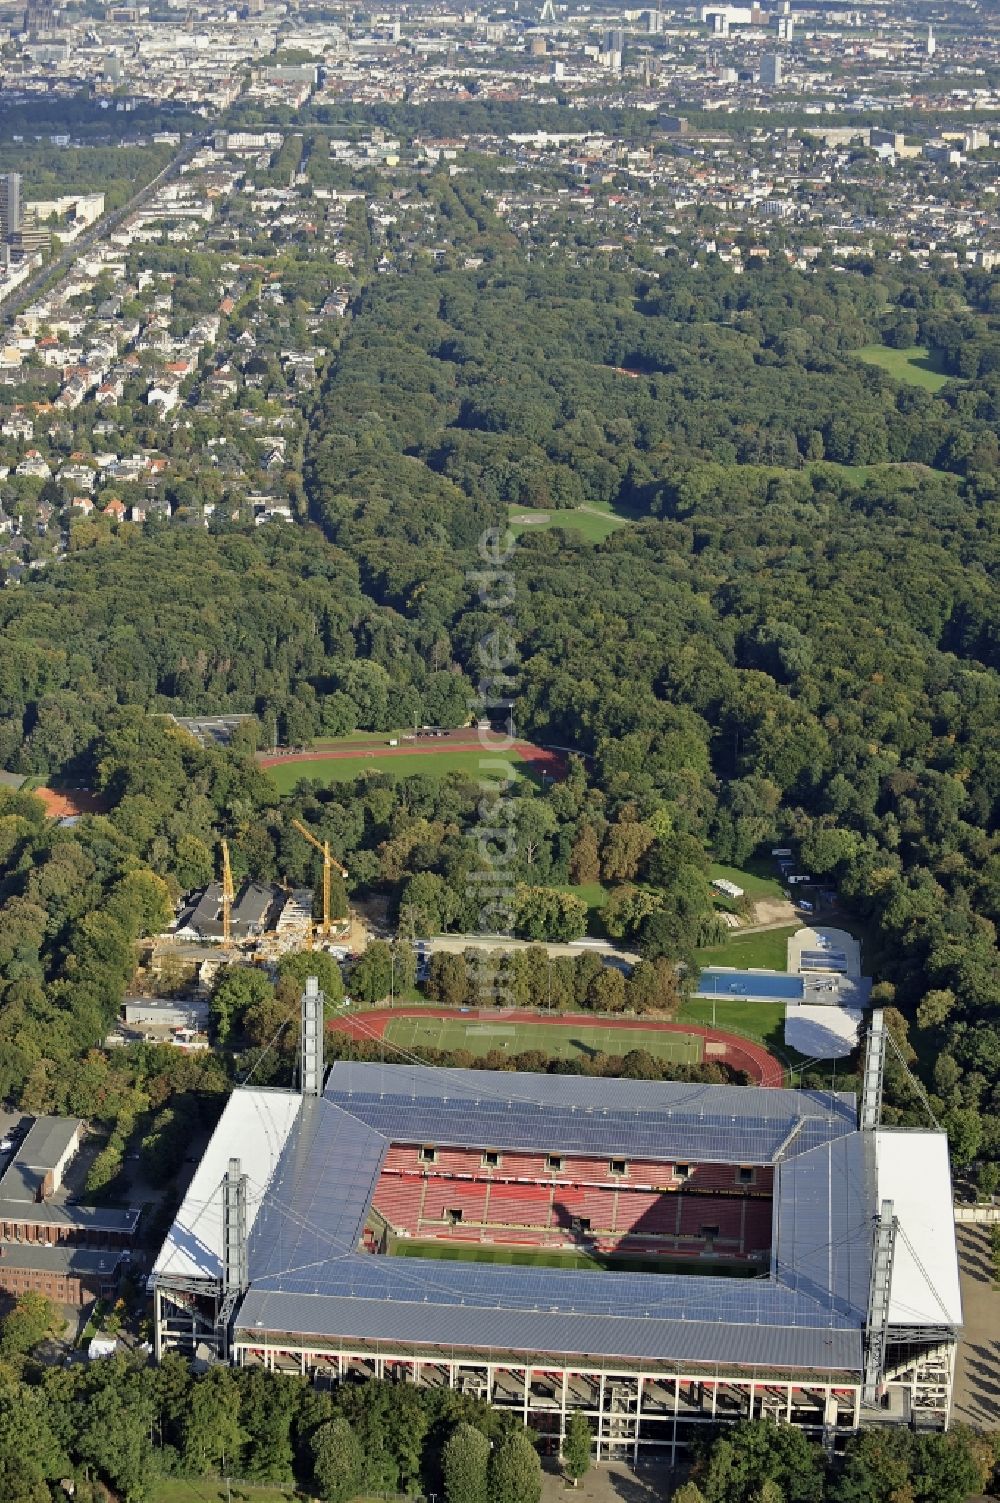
(552, 762)
(738, 1053)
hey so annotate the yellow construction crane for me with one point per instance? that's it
(227, 896)
(323, 846)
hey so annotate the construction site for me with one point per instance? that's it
(255, 922)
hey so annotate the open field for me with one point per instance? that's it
(595, 895)
(62, 803)
(757, 881)
(531, 1257)
(592, 522)
(357, 738)
(914, 365)
(205, 1490)
(761, 1018)
(429, 763)
(478, 1037)
(766, 950)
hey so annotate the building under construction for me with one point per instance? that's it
(801, 1257)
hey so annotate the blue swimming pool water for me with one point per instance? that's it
(749, 985)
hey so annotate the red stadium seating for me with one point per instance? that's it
(445, 1195)
(398, 1198)
(520, 1205)
(520, 1202)
(582, 1202)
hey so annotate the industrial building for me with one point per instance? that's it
(36, 1170)
(802, 1259)
(166, 1012)
(48, 1242)
(65, 1275)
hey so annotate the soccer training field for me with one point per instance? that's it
(479, 1036)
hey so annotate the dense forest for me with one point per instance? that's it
(792, 635)
(794, 638)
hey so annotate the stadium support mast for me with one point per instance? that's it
(311, 1040)
(876, 1331)
(871, 1084)
(235, 1274)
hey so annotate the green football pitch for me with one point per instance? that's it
(537, 1257)
(479, 1036)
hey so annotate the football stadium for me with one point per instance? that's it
(660, 1256)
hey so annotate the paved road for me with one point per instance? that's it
(730, 1049)
(456, 943)
(102, 227)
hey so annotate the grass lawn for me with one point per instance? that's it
(595, 521)
(917, 366)
(763, 1019)
(93, 1324)
(379, 738)
(551, 1038)
(205, 1490)
(757, 880)
(594, 894)
(767, 950)
(531, 1257)
(396, 764)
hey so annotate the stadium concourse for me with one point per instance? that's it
(813, 1269)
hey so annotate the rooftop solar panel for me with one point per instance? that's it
(320, 1159)
(780, 1342)
(823, 960)
(304, 1258)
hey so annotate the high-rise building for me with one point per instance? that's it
(39, 17)
(614, 39)
(770, 70)
(931, 43)
(654, 22)
(10, 204)
(786, 28)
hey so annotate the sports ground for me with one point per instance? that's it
(548, 1034)
(559, 1042)
(430, 759)
(540, 1257)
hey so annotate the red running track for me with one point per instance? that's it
(739, 1053)
(536, 756)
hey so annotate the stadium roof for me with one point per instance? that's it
(663, 1120)
(313, 1165)
(254, 1128)
(912, 1170)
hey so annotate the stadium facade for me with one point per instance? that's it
(832, 1301)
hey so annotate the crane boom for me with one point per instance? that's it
(323, 846)
(227, 895)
